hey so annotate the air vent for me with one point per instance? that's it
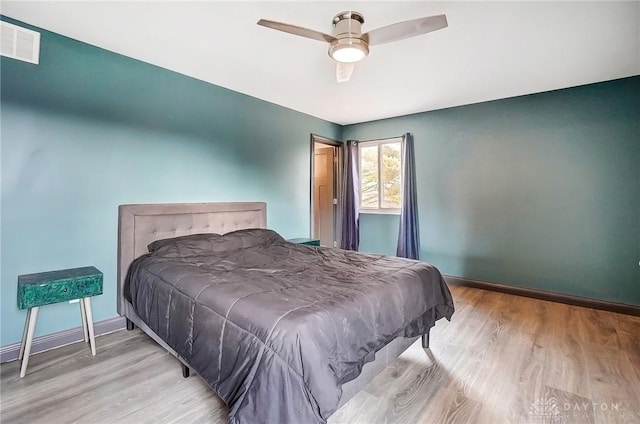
(20, 43)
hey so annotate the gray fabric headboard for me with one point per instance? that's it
(139, 225)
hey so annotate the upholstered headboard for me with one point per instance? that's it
(139, 225)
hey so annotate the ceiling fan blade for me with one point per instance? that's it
(344, 71)
(296, 30)
(406, 29)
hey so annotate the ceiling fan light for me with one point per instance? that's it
(348, 54)
(348, 50)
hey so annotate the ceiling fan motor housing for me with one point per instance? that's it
(347, 24)
(349, 47)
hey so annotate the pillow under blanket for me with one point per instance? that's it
(198, 243)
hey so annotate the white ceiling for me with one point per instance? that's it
(490, 50)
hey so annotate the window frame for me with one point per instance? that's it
(379, 210)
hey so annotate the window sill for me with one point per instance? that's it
(380, 211)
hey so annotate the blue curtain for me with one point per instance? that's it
(350, 237)
(409, 234)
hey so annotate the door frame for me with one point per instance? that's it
(337, 180)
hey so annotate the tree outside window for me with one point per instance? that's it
(381, 175)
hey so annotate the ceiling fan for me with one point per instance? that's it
(349, 45)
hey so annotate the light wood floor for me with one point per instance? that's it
(502, 359)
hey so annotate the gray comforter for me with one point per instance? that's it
(276, 328)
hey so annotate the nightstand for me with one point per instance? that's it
(307, 241)
(45, 288)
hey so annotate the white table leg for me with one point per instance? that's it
(33, 317)
(84, 320)
(24, 334)
(87, 311)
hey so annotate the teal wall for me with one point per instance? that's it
(88, 130)
(541, 191)
(379, 233)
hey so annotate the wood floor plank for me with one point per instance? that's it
(614, 385)
(502, 359)
(450, 407)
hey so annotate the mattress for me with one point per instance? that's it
(276, 328)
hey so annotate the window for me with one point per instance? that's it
(380, 176)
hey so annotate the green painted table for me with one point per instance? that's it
(45, 288)
(307, 241)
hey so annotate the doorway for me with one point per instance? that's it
(325, 183)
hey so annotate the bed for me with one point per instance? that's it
(281, 332)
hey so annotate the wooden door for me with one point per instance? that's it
(323, 209)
